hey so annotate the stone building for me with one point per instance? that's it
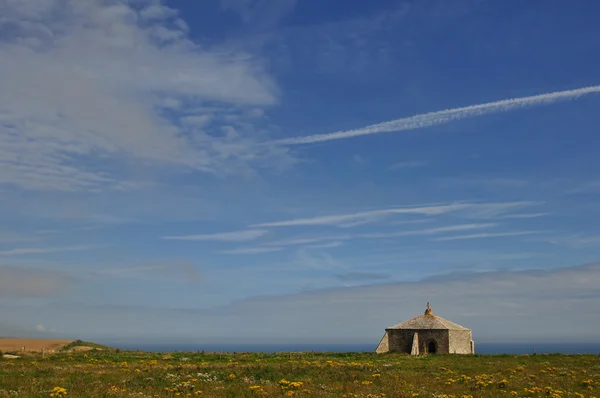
(427, 334)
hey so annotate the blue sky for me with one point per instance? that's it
(298, 167)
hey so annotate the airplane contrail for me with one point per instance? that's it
(443, 117)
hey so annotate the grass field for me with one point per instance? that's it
(31, 345)
(136, 374)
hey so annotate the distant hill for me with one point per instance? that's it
(24, 346)
(16, 345)
(79, 345)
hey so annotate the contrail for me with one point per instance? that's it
(445, 116)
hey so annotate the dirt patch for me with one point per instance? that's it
(32, 345)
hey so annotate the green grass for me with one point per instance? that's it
(140, 374)
(80, 343)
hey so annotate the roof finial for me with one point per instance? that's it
(428, 310)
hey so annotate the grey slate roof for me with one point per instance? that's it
(428, 321)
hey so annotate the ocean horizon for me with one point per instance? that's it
(482, 348)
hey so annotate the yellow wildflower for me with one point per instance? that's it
(58, 392)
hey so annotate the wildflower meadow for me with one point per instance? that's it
(108, 373)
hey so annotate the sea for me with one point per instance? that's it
(481, 348)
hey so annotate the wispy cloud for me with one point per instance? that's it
(315, 259)
(359, 159)
(128, 270)
(481, 210)
(132, 63)
(173, 268)
(492, 304)
(45, 250)
(252, 250)
(9, 236)
(576, 241)
(445, 116)
(428, 231)
(524, 215)
(406, 222)
(361, 276)
(236, 236)
(47, 231)
(329, 245)
(592, 187)
(489, 235)
(450, 228)
(408, 165)
(315, 242)
(304, 240)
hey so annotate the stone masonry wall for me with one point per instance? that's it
(460, 341)
(383, 345)
(400, 340)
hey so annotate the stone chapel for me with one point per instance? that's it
(427, 334)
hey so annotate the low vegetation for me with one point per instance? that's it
(87, 345)
(107, 373)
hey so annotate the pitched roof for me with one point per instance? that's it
(428, 321)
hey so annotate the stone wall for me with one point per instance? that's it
(460, 341)
(383, 345)
(400, 340)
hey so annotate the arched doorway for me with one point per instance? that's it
(431, 347)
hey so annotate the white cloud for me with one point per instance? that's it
(476, 210)
(306, 258)
(592, 187)
(252, 250)
(359, 159)
(181, 269)
(496, 305)
(45, 250)
(305, 240)
(40, 328)
(489, 235)
(525, 215)
(47, 231)
(197, 121)
(445, 116)
(329, 245)
(576, 241)
(501, 306)
(83, 82)
(450, 228)
(10, 236)
(157, 11)
(428, 231)
(236, 236)
(315, 242)
(408, 165)
(405, 222)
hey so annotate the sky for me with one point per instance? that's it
(298, 171)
